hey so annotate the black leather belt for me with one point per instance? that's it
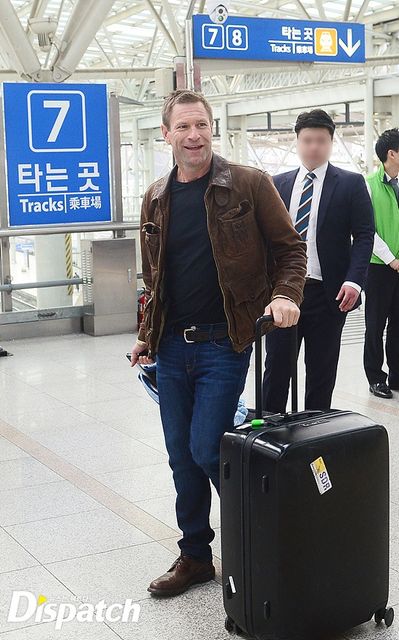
(198, 334)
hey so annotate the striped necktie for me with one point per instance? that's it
(305, 204)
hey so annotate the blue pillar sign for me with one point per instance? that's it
(243, 38)
(56, 153)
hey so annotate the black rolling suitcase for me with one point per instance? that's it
(304, 522)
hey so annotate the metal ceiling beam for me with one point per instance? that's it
(144, 83)
(239, 72)
(320, 9)
(85, 74)
(79, 14)
(173, 26)
(76, 18)
(125, 73)
(37, 9)
(190, 9)
(228, 67)
(162, 26)
(85, 21)
(381, 16)
(127, 85)
(362, 10)
(347, 11)
(123, 15)
(303, 10)
(18, 45)
(312, 97)
(386, 86)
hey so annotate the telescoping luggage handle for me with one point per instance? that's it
(259, 366)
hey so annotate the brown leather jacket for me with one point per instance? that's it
(258, 253)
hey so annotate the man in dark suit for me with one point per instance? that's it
(332, 211)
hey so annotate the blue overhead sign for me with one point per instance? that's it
(242, 38)
(56, 153)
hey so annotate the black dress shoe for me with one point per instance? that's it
(381, 390)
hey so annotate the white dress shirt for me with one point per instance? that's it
(313, 268)
(381, 249)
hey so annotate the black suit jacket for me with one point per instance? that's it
(345, 227)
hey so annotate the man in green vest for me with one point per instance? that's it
(382, 289)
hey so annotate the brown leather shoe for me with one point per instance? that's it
(184, 572)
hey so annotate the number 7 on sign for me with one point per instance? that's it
(212, 36)
(62, 130)
(63, 106)
(214, 32)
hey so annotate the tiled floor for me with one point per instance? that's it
(87, 497)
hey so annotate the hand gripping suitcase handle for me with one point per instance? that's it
(258, 366)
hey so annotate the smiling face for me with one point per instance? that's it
(190, 135)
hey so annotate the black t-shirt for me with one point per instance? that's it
(192, 287)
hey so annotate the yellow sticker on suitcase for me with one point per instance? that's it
(321, 476)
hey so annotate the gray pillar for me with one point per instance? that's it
(136, 169)
(244, 140)
(5, 267)
(369, 123)
(236, 146)
(51, 265)
(395, 111)
(149, 160)
(224, 150)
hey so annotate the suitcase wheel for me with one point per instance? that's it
(232, 627)
(384, 614)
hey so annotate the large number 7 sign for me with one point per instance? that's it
(56, 120)
(63, 106)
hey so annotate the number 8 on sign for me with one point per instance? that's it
(237, 37)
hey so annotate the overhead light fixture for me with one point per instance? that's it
(218, 11)
(45, 29)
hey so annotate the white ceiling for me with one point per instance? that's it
(140, 35)
(150, 33)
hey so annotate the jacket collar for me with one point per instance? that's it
(383, 175)
(330, 182)
(286, 186)
(381, 172)
(220, 176)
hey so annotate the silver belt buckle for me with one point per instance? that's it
(185, 336)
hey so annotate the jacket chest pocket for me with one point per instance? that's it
(152, 242)
(238, 230)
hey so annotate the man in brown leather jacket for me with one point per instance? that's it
(218, 251)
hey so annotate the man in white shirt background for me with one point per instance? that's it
(331, 209)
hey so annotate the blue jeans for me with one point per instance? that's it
(199, 386)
